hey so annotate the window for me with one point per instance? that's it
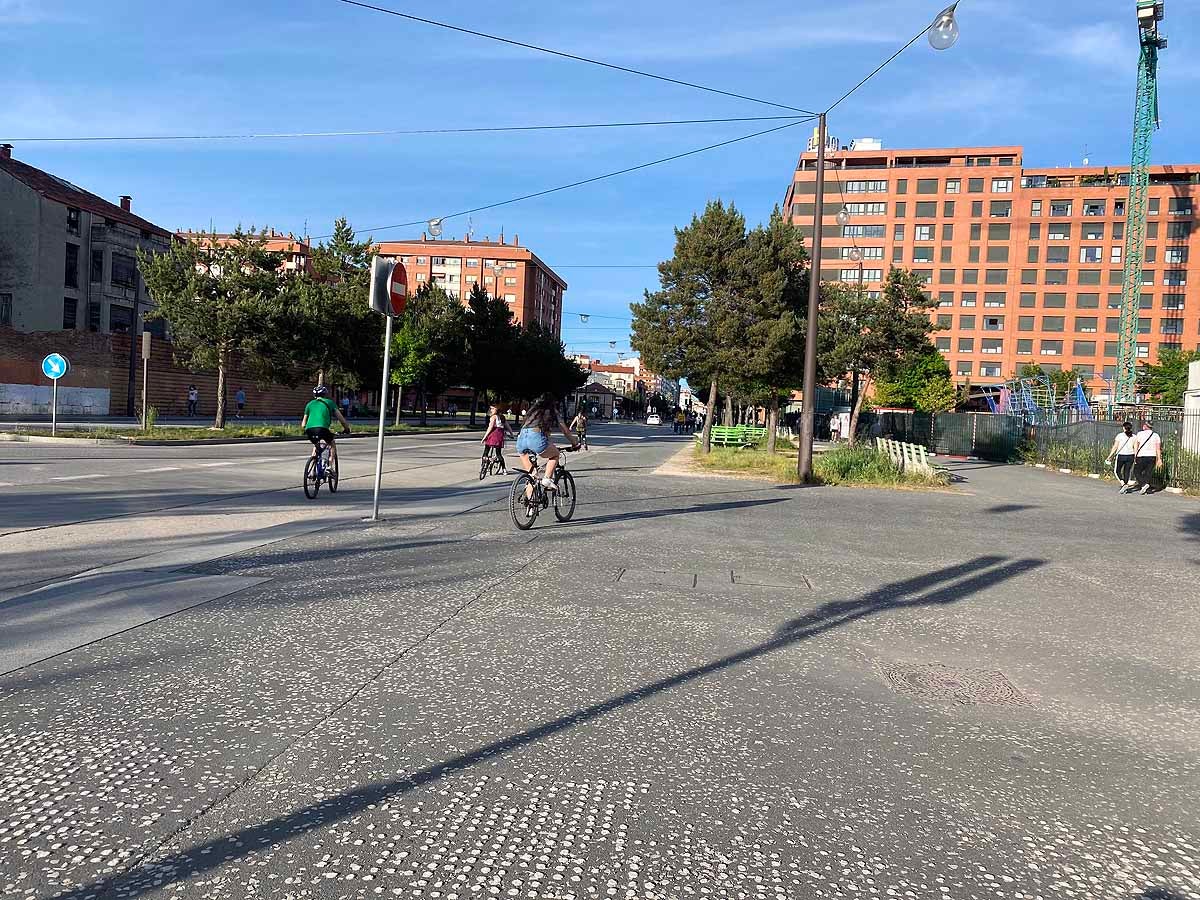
(1000, 209)
(970, 276)
(901, 210)
(976, 209)
(120, 319)
(867, 209)
(72, 220)
(1143, 351)
(966, 323)
(1056, 276)
(1143, 325)
(1087, 301)
(976, 231)
(510, 297)
(947, 232)
(991, 345)
(421, 277)
(1024, 323)
(1173, 301)
(1029, 276)
(1035, 208)
(472, 264)
(421, 260)
(989, 370)
(1110, 349)
(1092, 231)
(944, 322)
(1093, 207)
(124, 270)
(996, 276)
(1054, 301)
(1058, 254)
(974, 185)
(898, 233)
(983, 160)
(1035, 231)
(6, 309)
(966, 345)
(1177, 231)
(1118, 207)
(927, 209)
(1060, 209)
(972, 254)
(946, 254)
(1171, 326)
(999, 231)
(508, 281)
(926, 275)
(1116, 277)
(867, 187)
(964, 367)
(1115, 255)
(867, 253)
(1090, 254)
(1148, 277)
(1052, 348)
(968, 298)
(1151, 255)
(97, 274)
(947, 208)
(993, 323)
(1032, 254)
(1152, 206)
(1118, 231)
(994, 298)
(867, 275)
(953, 185)
(897, 254)
(942, 344)
(946, 298)
(1059, 231)
(901, 185)
(946, 276)
(1083, 348)
(71, 270)
(1175, 278)
(70, 308)
(1025, 346)
(1002, 185)
(923, 233)
(871, 231)
(1175, 255)
(1112, 325)
(1085, 324)
(927, 185)
(1179, 206)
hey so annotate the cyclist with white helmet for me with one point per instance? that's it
(319, 414)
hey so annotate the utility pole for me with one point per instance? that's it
(809, 409)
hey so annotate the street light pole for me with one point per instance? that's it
(809, 409)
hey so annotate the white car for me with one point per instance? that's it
(654, 419)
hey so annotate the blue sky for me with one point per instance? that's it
(1054, 77)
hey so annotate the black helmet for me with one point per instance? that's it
(320, 390)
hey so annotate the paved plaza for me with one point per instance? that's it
(699, 687)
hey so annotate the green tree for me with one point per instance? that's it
(539, 365)
(1167, 381)
(430, 344)
(937, 395)
(868, 336)
(492, 338)
(220, 298)
(687, 328)
(905, 379)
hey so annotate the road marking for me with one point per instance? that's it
(7, 484)
(218, 464)
(161, 469)
(77, 477)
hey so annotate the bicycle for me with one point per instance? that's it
(528, 498)
(320, 469)
(491, 465)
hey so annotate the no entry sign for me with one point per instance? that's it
(398, 289)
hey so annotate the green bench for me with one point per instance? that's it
(736, 436)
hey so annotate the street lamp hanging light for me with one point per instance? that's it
(943, 33)
(843, 216)
(435, 227)
(856, 255)
(583, 318)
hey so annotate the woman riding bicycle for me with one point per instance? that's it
(534, 439)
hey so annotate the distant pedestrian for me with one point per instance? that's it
(579, 425)
(453, 410)
(1123, 450)
(835, 428)
(346, 405)
(193, 400)
(493, 438)
(1149, 457)
(240, 399)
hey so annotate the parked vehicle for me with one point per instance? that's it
(654, 419)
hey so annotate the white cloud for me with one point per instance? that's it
(1104, 45)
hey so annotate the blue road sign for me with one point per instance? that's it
(55, 366)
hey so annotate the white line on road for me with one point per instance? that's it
(161, 469)
(78, 477)
(7, 484)
(217, 465)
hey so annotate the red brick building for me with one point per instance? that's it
(1026, 262)
(532, 289)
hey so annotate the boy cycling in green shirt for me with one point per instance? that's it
(319, 414)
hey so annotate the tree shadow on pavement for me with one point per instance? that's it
(1158, 893)
(948, 585)
(1002, 508)
(1190, 526)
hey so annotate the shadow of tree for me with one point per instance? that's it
(1158, 893)
(948, 585)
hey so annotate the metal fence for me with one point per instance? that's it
(982, 435)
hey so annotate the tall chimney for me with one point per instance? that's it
(5, 151)
(516, 240)
(126, 202)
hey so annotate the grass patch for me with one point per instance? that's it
(244, 432)
(841, 465)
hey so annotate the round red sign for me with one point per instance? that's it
(398, 289)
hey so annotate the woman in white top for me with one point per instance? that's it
(1124, 449)
(1149, 457)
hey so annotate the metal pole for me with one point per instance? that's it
(54, 407)
(809, 410)
(145, 384)
(387, 359)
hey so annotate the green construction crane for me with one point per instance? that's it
(1145, 120)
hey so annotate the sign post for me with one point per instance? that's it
(145, 376)
(54, 367)
(389, 294)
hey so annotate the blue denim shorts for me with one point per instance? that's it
(532, 440)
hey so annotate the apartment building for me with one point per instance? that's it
(1026, 263)
(295, 253)
(68, 258)
(532, 289)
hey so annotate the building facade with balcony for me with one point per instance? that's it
(1027, 264)
(68, 258)
(533, 291)
(295, 253)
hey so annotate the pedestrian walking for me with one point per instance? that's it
(1148, 458)
(240, 399)
(193, 400)
(1123, 450)
(453, 410)
(346, 405)
(835, 428)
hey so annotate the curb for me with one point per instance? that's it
(12, 437)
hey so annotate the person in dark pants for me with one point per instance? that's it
(193, 400)
(1148, 457)
(1123, 449)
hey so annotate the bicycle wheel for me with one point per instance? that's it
(564, 498)
(524, 510)
(312, 483)
(485, 467)
(331, 476)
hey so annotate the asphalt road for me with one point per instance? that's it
(697, 688)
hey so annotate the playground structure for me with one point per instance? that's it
(1036, 401)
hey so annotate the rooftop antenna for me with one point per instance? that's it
(470, 229)
(1086, 160)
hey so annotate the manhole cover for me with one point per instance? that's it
(939, 682)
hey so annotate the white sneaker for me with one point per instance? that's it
(1145, 489)
(548, 485)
